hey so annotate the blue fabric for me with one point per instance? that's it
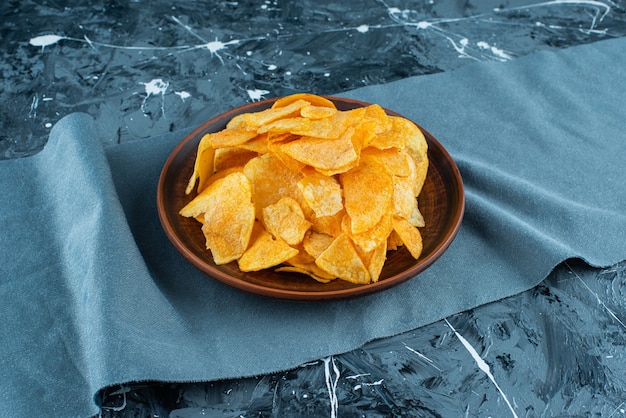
(93, 294)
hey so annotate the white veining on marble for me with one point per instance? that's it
(482, 365)
(600, 302)
(423, 357)
(331, 384)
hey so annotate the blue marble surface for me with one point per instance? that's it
(145, 68)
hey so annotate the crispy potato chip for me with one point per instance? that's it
(404, 200)
(228, 216)
(310, 269)
(203, 166)
(231, 157)
(374, 260)
(367, 191)
(328, 128)
(285, 219)
(315, 243)
(394, 241)
(416, 218)
(321, 193)
(265, 252)
(409, 235)
(310, 98)
(317, 112)
(271, 181)
(230, 137)
(372, 238)
(341, 260)
(252, 121)
(329, 225)
(397, 161)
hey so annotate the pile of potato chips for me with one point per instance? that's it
(307, 188)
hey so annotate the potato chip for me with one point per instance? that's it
(367, 191)
(326, 155)
(341, 260)
(229, 157)
(315, 243)
(230, 137)
(310, 270)
(329, 225)
(271, 181)
(410, 236)
(252, 121)
(310, 98)
(228, 216)
(373, 237)
(285, 219)
(317, 112)
(374, 260)
(265, 252)
(321, 193)
(203, 166)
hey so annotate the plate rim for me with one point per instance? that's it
(300, 295)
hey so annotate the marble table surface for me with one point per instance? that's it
(146, 68)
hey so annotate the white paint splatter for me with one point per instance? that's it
(48, 125)
(331, 385)
(271, 67)
(183, 95)
(153, 88)
(363, 28)
(356, 376)
(45, 40)
(482, 365)
(423, 24)
(494, 50)
(257, 94)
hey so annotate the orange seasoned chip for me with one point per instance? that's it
(342, 260)
(285, 219)
(265, 252)
(228, 216)
(316, 242)
(374, 260)
(324, 154)
(203, 166)
(231, 157)
(310, 269)
(230, 137)
(271, 180)
(321, 193)
(307, 97)
(410, 236)
(252, 121)
(367, 191)
(373, 237)
(317, 112)
(329, 225)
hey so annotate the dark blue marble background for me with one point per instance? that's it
(145, 68)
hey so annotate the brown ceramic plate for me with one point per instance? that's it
(441, 203)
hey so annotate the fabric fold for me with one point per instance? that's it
(95, 295)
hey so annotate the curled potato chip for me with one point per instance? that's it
(410, 236)
(367, 190)
(228, 216)
(265, 252)
(306, 188)
(321, 193)
(342, 260)
(285, 219)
